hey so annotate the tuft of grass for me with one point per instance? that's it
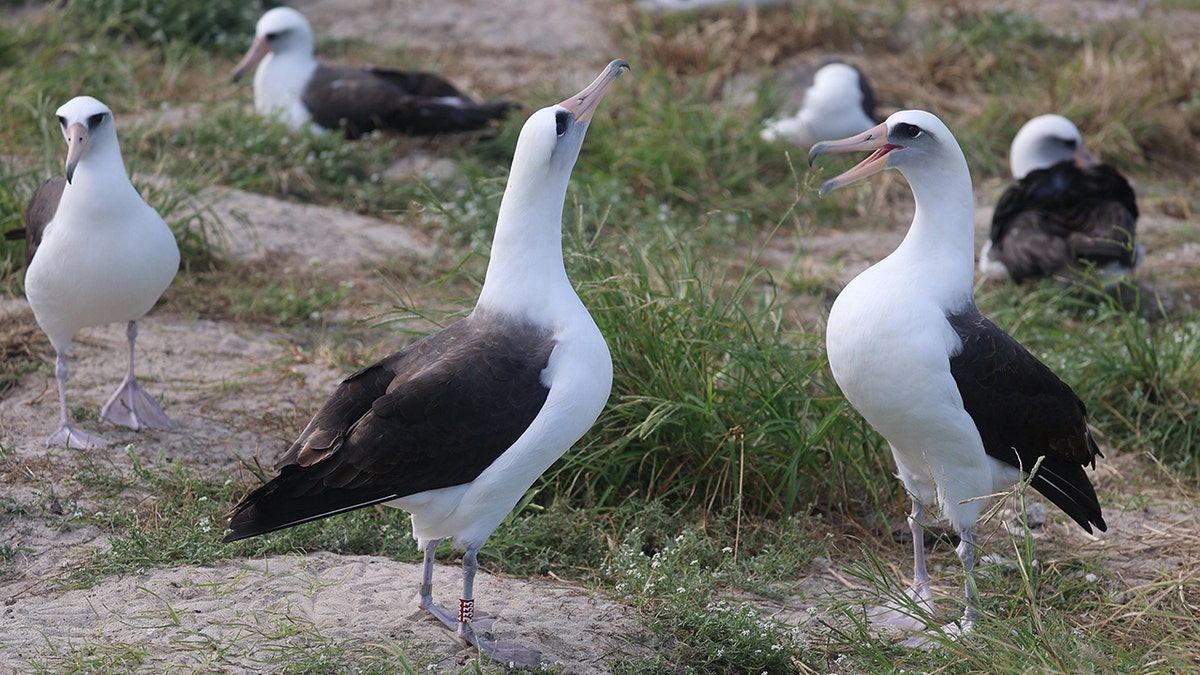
(242, 150)
(90, 658)
(714, 401)
(181, 516)
(15, 190)
(674, 586)
(223, 25)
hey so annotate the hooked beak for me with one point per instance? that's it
(77, 143)
(258, 49)
(1084, 157)
(585, 102)
(874, 139)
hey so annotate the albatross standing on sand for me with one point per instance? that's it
(1066, 210)
(839, 103)
(456, 427)
(98, 253)
(291, 85)
(966, 409)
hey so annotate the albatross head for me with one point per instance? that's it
(551, 138)
(525, 273)
(88, 127)
(1044, 141)
(280, 31)
(913, 142)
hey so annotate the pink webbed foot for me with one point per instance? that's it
(132, 406)
(67, 436)
(908, 614)
(476, 633)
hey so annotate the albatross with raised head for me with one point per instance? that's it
(967, 410)
(1065, 211)
(290, 84)
(97, 253)
(455, 427)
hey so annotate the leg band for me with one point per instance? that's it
(466, 610)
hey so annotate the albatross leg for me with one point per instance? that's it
(131, 405)
(465, 622)
(920, 598)
(966, 553)
(448, 620)
(66, 434)
(504, 652)
(965, 625)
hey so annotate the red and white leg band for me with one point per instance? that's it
(466, 610)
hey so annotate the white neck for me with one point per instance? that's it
(100, 180)
(526, 274)
(940, 244)
(279, 83)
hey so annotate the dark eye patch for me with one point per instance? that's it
(561, 119)
(95, 120)
(62, 121)
(909, 130)
(270, 37)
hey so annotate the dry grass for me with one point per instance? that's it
(1131, 90)
(23, 347)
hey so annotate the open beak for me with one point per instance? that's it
(77, 143)
(258, 49)
(585, 102)
(1084, 157)
(874, 139)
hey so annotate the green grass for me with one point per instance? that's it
(715, 401)
(223, 25)
(182, 520)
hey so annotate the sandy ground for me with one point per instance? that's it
(239, 393)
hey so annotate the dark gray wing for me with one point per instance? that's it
(38, 213)
(365, 99)
(1058, 216)
(1024, 412)
(432, 415)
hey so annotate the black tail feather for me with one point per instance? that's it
(289, 500)
(1069, 489)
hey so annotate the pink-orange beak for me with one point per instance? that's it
(585, 102)
(258, 49)
(874, 139)
(77, 144)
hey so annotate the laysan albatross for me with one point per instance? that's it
(290, 84)
(97, 253)
(455, 427)
(838, 103)
(1065, 211)
(967, 410)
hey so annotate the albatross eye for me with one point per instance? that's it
(270, 37)
(95, 120)
(62, 121)
(560, 122)
(909, 130)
